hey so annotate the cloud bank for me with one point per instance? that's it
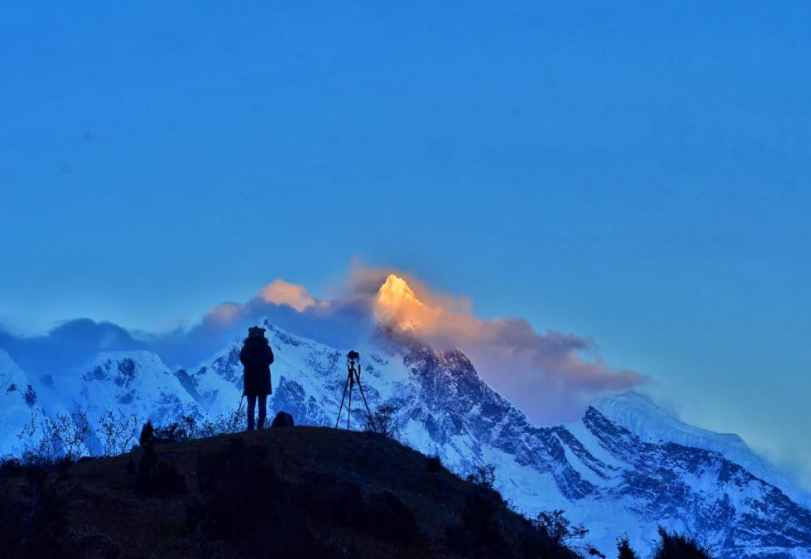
(545, 374)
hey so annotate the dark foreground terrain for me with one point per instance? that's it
(293, 492)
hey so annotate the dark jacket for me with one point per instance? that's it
(256, 357)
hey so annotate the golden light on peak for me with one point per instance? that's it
(397, 305)
(394, 291)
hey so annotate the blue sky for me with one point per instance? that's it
(635, 173)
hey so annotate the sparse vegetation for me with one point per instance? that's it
(261, 500)
(116, 432)
(559, 529)
(46, 439)
(624, 549)
(672, 545)
(183, 430)
(305, 492)
(483, 476)
(384, 421)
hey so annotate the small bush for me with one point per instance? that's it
(383, 421)
(223, 424)
(624, 549)
(174, 432)
(677, 546)
(558, 528)
(434, 464)
(483, 476)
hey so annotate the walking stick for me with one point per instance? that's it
(239, 411)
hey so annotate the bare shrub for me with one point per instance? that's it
(182, 430)
(46, 439)
(116, 433)
(34, 447)
(672, 545)
(483, 476)
(558, 528)
(624, 549)
(223, 424)
(70, 432)
(383, 421)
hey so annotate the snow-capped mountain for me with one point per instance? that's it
(18, 399)
(134, 381)
(625, 468)
(642, 417)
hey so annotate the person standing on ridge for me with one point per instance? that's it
(256, 357)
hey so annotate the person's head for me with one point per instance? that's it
(256, 333)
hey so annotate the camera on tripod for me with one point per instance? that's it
(352, 378)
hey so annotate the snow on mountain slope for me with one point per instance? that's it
(307, 379)
(624, 468)
(132, 381)
(696, 491)
(18, 399)
(642, 417)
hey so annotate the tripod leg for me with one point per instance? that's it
(340, 409)
(349, 409)
(365, 403)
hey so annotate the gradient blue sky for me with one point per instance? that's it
(635, 172)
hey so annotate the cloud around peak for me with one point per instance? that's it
(546, 374)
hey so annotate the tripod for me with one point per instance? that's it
(352, 378)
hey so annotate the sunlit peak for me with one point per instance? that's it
(394, 291)
(397, 305)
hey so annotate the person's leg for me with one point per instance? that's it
(251, 410)
(263, 410)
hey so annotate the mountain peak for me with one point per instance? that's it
(645, 418)
(640, 415)
(397, 305)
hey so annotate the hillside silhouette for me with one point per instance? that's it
(290, 492)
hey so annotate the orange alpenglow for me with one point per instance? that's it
(397, 305)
